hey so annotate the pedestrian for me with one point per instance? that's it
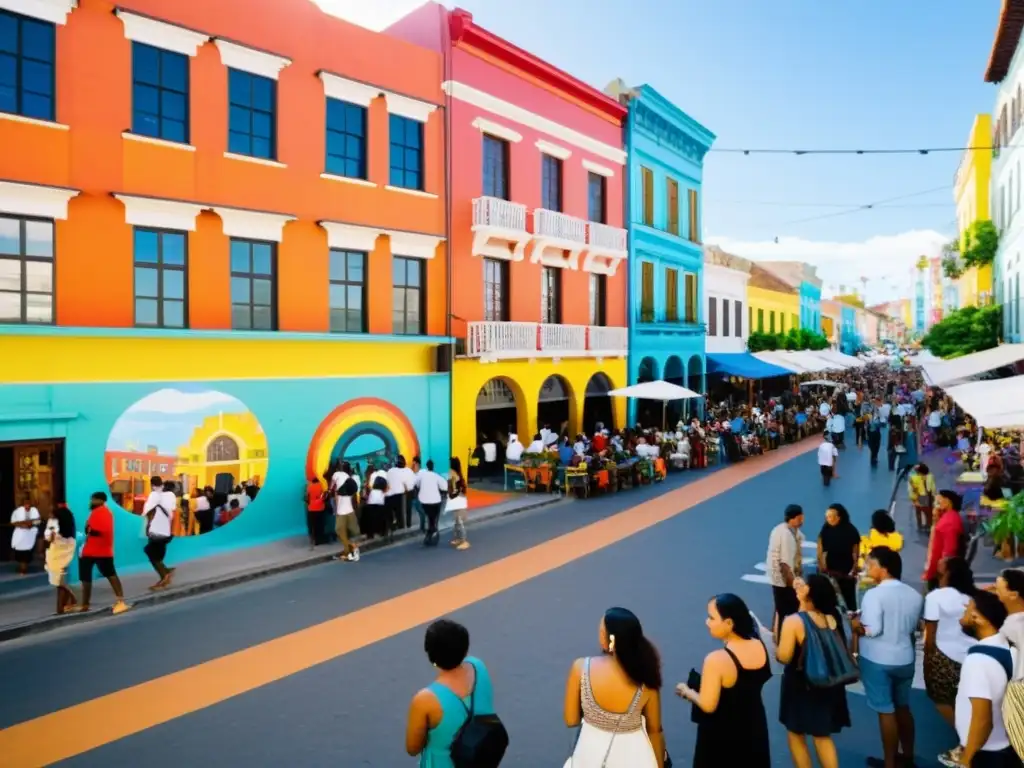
(785, 563)
(98, 553)
(400, 481)
(439, 711)
(417, 467)
(160, 505)
(431, 489)
(457, 502)
(837, 428)
(806, 710)
(921, 489)
(986, 671)
(316, 504)
(874, 427)
(897, 438)
(345, 487)
(727, 696)
(204, 510)
(947, 537)
(25, 521)
(624, 730)
(828, 459)
(838, 546)
(60, 537)
(889, 618)
(945, 644)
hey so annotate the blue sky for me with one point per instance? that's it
(793, 74)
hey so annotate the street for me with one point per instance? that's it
(317, 667)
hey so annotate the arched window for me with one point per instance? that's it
(222, 448)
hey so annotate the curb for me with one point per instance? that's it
(54, 621)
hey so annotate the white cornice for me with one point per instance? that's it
(54, 11)
(160, 34)
(414, 109)
(247, 59)
(553, 149)
(513, 112)
(413, 244)
(348, 90)
(600, 170)
(350, 237)
(252, 225)
(497, 130)
(162, 214)
(35, 200)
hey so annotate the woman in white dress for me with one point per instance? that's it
(615, 699)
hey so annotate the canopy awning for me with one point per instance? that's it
(848, 361)
(997, 404)
(743, 364)
(656, 390)
(960, 370)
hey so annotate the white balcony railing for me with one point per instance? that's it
(511, 340)
(498, 213)
(604, 236)
(560, 226)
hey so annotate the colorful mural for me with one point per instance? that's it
(205, 442)
(361, 430)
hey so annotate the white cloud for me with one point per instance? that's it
(374, 15)
(887, 261)
(175, 401)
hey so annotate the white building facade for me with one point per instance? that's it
(725, 301)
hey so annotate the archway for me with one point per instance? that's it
(222, 452)
(597, 405)
(675, 374)
(554, 405)
(695, 381)
(647, 412)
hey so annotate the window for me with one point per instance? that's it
(771, 322)
(159, 93)
(739, 319)
(672, 195)
(725, 317)
(27, 54)
(597, 186)
(672, 295)
(691, 195)
(496, 290)
(551, 183)
(408, 296)
(253, 286)
(551, 296)
(646, 292)
(252, 116)
(750, 318)
(496, 182)
(795, 322)
(26, 270)
(598, 299)
(160, 265)
(782, 322)
(691, 298)
(647, 199)
(406, 152)
(760, 321)
(347, 291)
(713, 316)
(346, 139)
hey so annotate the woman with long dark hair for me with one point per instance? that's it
(838, 546)
(727, 699)
(804, 710)
(627, 682)
(60, 551)
(457, 502)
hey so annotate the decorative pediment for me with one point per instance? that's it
(662, 131)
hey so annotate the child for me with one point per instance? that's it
(883, 533)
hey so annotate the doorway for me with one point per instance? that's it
(33, 470)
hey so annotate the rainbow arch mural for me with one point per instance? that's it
(354, 420)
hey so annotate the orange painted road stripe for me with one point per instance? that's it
(92, 724)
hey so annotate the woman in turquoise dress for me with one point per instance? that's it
(438, 711)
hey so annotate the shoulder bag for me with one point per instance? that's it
(826, 660)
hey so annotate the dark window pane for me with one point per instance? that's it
(8, 33)
(146, 282)
(240, 317)
(263, 93)
(240, 290)
(336, 296)
(262, 125)
(262, 258)
(240, 256)
(174, 71)
(8, 71)
(239, 90)
(146, 98)
(146, 311)
(37, 39)
(262, 319)
(40, 107)
(8, 99)
(261, 292)
(146, 125)
(412, 275)
(337, 266)
(174, 284)
(173, 105)
(172, 130)
(397, 178)
(174, 313)
(37, 77)
(145, 64)
(239, 143)
(261, 148)
(173, 249)
(146, 246)
(354, 298)
(239, 119)
(355, 120)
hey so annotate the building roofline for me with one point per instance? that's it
(1004, 46)
(694, 128)
(465, 30)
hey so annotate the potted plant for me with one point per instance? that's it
(1006, 528)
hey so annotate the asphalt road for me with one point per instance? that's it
(351, 711)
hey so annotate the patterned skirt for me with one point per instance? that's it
(941, 677)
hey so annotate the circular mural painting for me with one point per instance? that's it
(202, 445)
(361, 431)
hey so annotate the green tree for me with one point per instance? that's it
(965, 331)
(980, 244)
(952, 266)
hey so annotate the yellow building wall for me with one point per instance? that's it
(247, 434)
(525, 378)
(772, 301)
(971, 194)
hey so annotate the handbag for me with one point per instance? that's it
(826, 660)
(458, 504)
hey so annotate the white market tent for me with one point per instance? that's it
(996, 404)
(836, 356)
(819, 383)
(663, 391)
(803, 361)
(959, 370)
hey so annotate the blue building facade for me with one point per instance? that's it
(810, 305)
(849, 339)
(666, 149)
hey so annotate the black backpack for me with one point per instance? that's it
(348, 488)
(481, 741)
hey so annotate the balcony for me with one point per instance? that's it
(606, 247)
(492, 341)
(499, 229)
(559, 239)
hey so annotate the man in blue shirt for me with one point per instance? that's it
(890, 615)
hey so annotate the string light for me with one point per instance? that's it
(895, 151)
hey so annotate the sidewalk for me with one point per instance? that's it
(32, 611)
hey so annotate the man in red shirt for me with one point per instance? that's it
(98, 552)
(947, 538)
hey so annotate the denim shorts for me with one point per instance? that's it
(886, 686)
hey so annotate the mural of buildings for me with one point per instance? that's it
(242, 202)
(667, 321)
(971, 195)
(803, 277)
(538, 243)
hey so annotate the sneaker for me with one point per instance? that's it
(462, 545)
(951, 758)
(120, 607)
(350, 557)
(355, 556)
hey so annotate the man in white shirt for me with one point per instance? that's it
(401, 481)
(537, 446)
(514, 450)
(159, 510)
(837, 426)
(345, 487)
(828, 458)
(26, 521)
(548, 436)
(983, 677)
(784, 562)
(431, 487)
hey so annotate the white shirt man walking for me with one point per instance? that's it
(828, 459)
(26, 521)
(159, 510)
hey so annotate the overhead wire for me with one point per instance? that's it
(891, 151)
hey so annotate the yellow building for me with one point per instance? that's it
(971, 193)
(226, 443)
(773, 304)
